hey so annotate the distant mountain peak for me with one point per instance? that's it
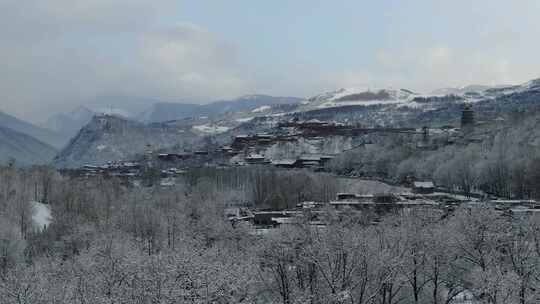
(251, 96)
(69, 123)
(81, 113)
(114, 111)
(166, 111)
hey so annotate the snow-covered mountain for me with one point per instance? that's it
(359, 96)
(68, 124)
(167, 111)
(23, 149)
(407, 98)
(406, 108)
(474, 93)
(110, 138)
(461, 90)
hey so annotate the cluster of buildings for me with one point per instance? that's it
(312, 161)
(314, 213)
(129, 171)
(242, 142)
(248, 149)
(118, 169)
(423, 195)
(516, 207)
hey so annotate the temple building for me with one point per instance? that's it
(467, 117)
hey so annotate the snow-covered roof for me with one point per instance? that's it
(355, 195)
(424, 185)
(513, 202)
(326, 156)
(211, 129)
(284, 162)
(285, 220)
(255, 156)
(315, 158)
(350, 203)
(524, 210)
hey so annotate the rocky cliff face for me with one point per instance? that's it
(111, 138)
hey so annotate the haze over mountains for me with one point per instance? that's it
(23, 149)
(218, 122)
(45, 135)
(85, 135)
(172, 111)
(110, 137)
(68, 124)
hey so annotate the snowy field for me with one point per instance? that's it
(211, 129)
(360, 186)
(41, 215)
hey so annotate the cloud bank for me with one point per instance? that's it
(57, 54)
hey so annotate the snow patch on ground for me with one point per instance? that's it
(261, 109)
(211, 129)
(244, 119)
(350, 97)
(41, 215)
(168, 182)
(101, 147)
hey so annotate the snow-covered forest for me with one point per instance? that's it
(504, 163)
(109, 243)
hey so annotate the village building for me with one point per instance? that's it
(467, 117)
(284, 163)
(425, 187)
(256, 159)
(355, 197)
(267, 218)
(172, 157)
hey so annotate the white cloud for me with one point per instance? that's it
(189, 61)
(438, 57)
(431, 67)
(59, 53)
(55, 54)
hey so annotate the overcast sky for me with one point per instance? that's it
(57, 54)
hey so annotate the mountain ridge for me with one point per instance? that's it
(168, 111)
(23, 148)
(44, 135)
(109, 137)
